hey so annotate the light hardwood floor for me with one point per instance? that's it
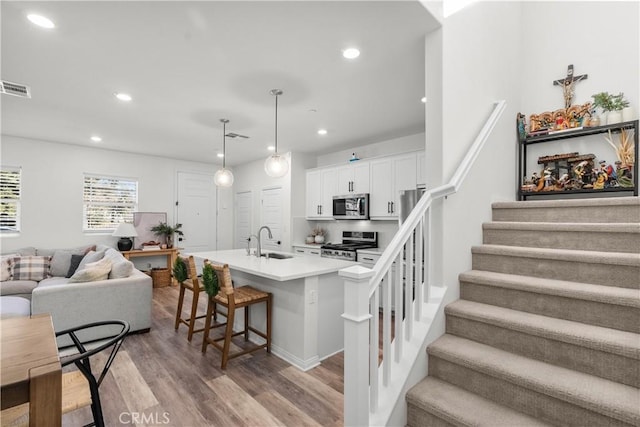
(160, 379)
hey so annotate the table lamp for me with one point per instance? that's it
(125, 231)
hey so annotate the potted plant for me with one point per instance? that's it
(164, 229)
(210, 280)
(611, 104)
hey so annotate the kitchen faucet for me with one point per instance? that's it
(259, 249)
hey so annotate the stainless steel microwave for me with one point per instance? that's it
(352, 206)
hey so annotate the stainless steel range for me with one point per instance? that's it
(351, 241)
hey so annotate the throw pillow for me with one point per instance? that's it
(5, 267)
(30, 267)
(121, 269)
(91, 256)
(73, 265)
(92, 272)
(61, 260)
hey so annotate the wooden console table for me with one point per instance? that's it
(31, 369)
(171, 255)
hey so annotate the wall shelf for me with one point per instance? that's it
(523, 143)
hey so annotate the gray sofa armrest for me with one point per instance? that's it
(74, 304)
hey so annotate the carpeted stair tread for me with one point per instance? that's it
(621, 227)
(595, 394)
(462, 408)
(607, 340)
(593, 257)
(585, 291)
(569, 203)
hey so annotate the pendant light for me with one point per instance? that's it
(276, 165)
(224, 177)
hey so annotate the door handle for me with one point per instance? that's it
(279, 242)
(392, 208)
(388, 207)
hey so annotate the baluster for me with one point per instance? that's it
(419, 266)
(386, 328)
(397, 283)
(408, 287)
(374, 332)
(428, 256)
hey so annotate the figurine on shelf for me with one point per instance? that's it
(579, 174)
(601, 180)
(612, 177)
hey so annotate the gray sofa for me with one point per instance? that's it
(72, 304)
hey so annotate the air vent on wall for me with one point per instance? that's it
(15, 89)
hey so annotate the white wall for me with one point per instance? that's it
(609, 57)
(52, 180)
(384, 148)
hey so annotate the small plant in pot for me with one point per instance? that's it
(610, 104)
(164, 229)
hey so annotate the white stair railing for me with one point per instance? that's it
(402, 280)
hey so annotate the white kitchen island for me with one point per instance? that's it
(308, 302)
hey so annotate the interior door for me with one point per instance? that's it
(196, 211)
(271, 214)
(243, 208)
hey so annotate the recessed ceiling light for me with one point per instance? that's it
(271, 148)
(424, 100)
(322, 131)
(96, 138)
(220, 155)
(41, 21)
(123, 96)
(351, 53)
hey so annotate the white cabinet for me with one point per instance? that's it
(389, 175)
(321, 187)
(307, 251)
(353, 178)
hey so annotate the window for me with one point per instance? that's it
(108, 201)
(10, 199)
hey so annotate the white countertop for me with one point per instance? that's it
(299, 266)
(374, 251)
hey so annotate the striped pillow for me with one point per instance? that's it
(30, 268)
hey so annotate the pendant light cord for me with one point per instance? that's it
(224, 145)
(276, 143)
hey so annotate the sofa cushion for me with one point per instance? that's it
(76, 250)
(30, 267)
(53, 281)
(74, 264)
(120, 266)
(5, 267)
(61, 260)
(14, 287)
(91, 256)
(27, 251)
(92, 272)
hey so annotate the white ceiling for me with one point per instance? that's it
(188, 64)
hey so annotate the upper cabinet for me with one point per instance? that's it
(321, 187)
(353, 178)
(389, 175)
(382, 178)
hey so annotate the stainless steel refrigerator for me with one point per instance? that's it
(408, 200)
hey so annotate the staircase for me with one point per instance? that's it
(547, 328)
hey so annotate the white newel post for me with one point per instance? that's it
(356, 345)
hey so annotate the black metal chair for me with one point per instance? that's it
(82, 358)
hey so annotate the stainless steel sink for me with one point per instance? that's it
(277, 256)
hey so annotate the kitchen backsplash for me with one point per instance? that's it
(302, 228)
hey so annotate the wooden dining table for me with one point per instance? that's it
(30, 368)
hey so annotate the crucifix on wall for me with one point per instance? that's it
(567, 85)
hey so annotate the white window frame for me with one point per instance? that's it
(13, 200)
(127, 207)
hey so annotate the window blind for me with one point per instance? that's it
(108, 201)
(10, 192)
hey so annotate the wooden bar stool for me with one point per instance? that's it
(194, 285)
(232, 298)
